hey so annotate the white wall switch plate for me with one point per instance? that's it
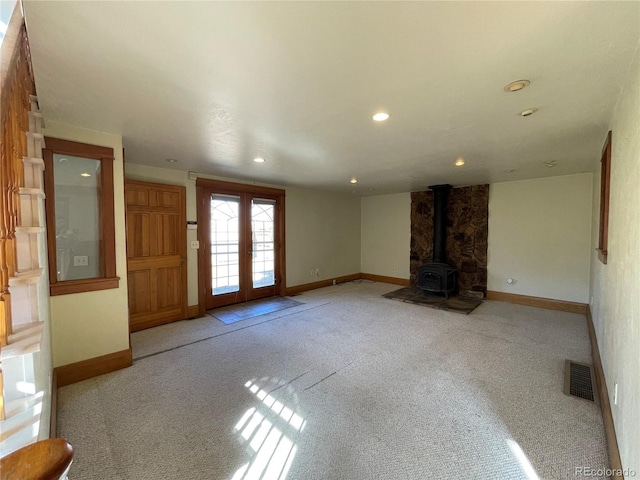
(195, 244)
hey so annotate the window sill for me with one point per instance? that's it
(84, 285)
(25, 339)
(602, 255)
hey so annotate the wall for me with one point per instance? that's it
(386, 235)
(91, 324)
(323, 232)
(615, 287)
(322, 229)
(539, 235)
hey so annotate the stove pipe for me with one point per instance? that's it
(440, 196)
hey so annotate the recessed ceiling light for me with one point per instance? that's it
(172, 160)
(550, 164)
(353, 180)
(528, 112)
(459, 162)
(85, 174)
(380, 116)
(259, 160)
(516, 86)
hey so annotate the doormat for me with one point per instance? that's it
(244, 311)
(416, 296)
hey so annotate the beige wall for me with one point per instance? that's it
(386, 235)
(322, 228)
(539, 235)
(615, 287)
(87, 325)
(322, 232)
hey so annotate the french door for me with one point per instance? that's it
(241, 234)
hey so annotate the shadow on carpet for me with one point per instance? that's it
(416, 296)
(244, 311)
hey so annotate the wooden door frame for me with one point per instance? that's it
(183, 239)
(204, 188)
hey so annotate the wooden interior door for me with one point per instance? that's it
(241, 233)
(156, 253)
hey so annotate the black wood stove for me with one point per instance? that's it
(438, 276)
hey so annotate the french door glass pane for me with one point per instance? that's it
(263, 242)
(225, 241)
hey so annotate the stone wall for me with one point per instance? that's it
(467, 232)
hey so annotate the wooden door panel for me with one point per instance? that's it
(167, 199)
(168, 287)
(156, 247)
(139, 284)
(168, 238)
(137, 196)
(138, 241)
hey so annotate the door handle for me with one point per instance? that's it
(183, 260)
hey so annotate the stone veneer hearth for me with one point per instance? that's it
(467, 233)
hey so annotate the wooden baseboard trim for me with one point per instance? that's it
(76, 372)
(193, 311)
(605, 406)
(53, 419)
(384, 279)
(322, 283)
(548, 303)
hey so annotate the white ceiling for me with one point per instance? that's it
(215, 84)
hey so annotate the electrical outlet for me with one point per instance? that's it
(334, 281)
(81, 261)
(195, 244)
(615, 393)
(317, 272)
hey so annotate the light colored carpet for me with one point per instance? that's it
(349, 385)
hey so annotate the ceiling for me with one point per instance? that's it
(215, 84)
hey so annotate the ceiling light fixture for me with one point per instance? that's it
(459, 162)
(380, 116)
(85, 174)
(509, 171)
(550, 164)
(528, 112)
(517, 86)
(353, 180)
(259, 160)
(172, 160)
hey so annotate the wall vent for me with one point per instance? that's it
(579, 380)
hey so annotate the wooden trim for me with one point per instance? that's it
(384, 279)
(602, 255)
(53, 419)
(605, 406)
(605, 192)
(235, 188)
(321, 284)
(76, 372)
(193, 311)
(201, 216)
(548, 303)
(104, 155)
(84, 285)
(78, 149)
